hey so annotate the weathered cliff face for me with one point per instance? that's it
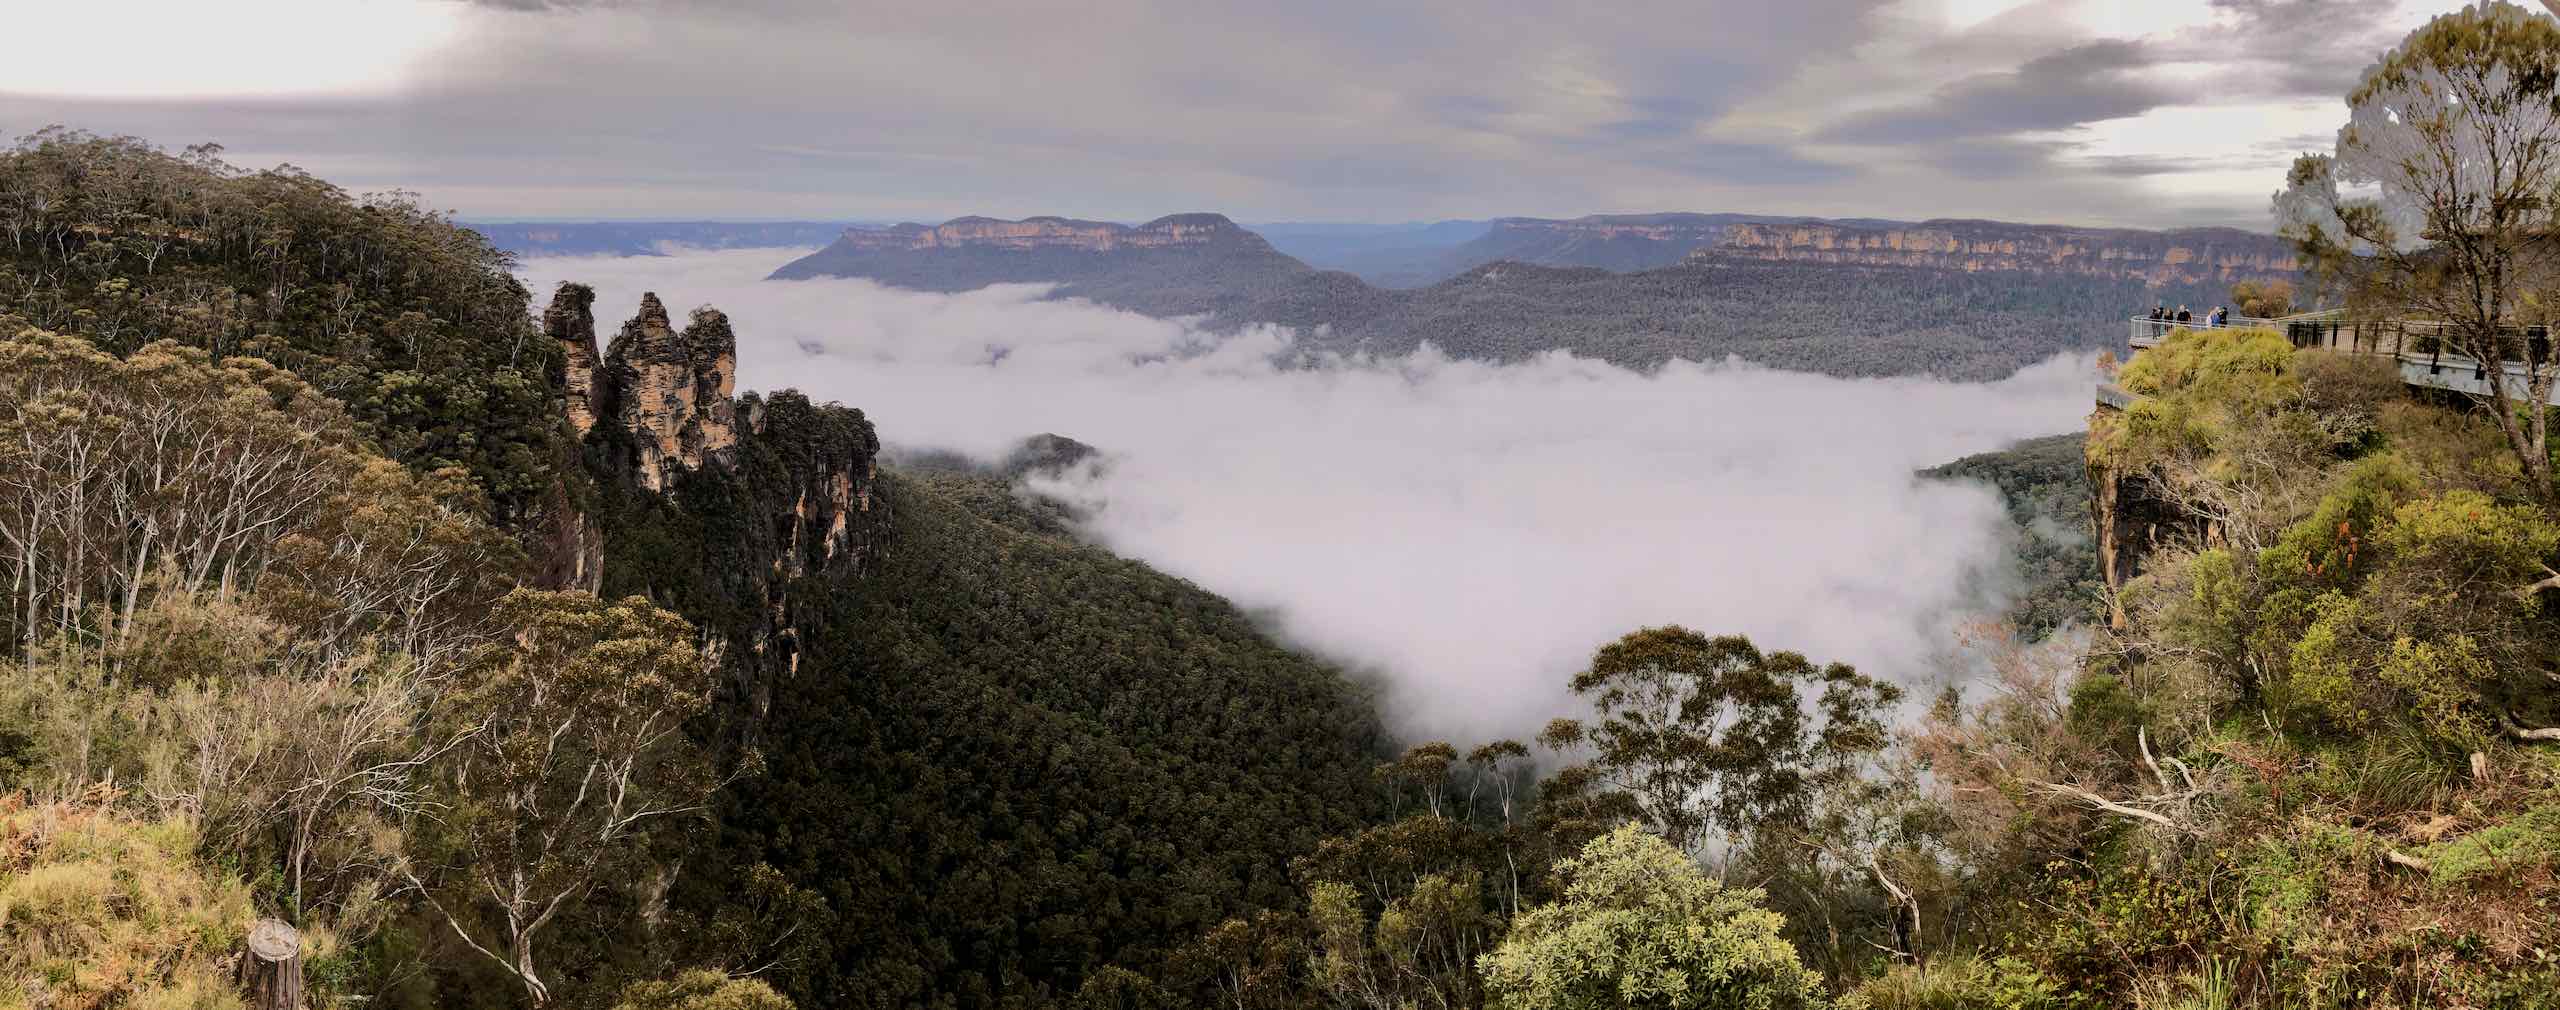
(571, 322)
(2193, 256)
(2128, 518)
(808, 474)
(570, 552)
(671, 391)
(830, 516)
(1051, 233)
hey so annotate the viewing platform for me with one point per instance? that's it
(2416, 346)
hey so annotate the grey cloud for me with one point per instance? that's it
(2304, 48)
(1123, 109)
(2136, 166)
(2082, 84)
(1992, 158)
(1753, 163)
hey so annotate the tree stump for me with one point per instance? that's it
(271, 974)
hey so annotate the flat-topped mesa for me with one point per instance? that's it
(1050, 233)
(2192, 256)
(671, 391)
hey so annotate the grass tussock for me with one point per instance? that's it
(98, 909)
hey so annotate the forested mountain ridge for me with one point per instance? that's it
(1387, 255)
(1968, 300)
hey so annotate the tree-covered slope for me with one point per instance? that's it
(1030, 759)
(414, 324)
(2044, 487)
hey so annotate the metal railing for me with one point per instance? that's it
(2424, 349)
(2112, 395)
(2149, 332)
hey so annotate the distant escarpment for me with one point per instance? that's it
(1634, 242)
(1619, 242)
(1182, 264)
(2194, 256)
(1957, 299)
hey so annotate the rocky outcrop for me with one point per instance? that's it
(671, 391)
(2208, 256)
(830, 520)
(809, 477)
(569, 551)
(572, 548)
(724, 507)
(571, 323)
(2128, 518)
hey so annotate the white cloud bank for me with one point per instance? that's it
(1470, 531)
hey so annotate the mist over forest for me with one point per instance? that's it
(1461, 529)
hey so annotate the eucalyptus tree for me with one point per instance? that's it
(574, 748)
(1710, 738)
(2439, 202)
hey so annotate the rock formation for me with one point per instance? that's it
(671, 391)
(788, 483)
(570, 553)
(571, 322)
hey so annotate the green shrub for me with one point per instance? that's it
(1959, 982)
(1640, 925)
(702, 990)
(2528, 841)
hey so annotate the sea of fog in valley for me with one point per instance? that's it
(1467, 532)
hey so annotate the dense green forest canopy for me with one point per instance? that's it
(1041, 761)
(415, 325)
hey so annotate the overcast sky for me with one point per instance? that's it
(2087, 111)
